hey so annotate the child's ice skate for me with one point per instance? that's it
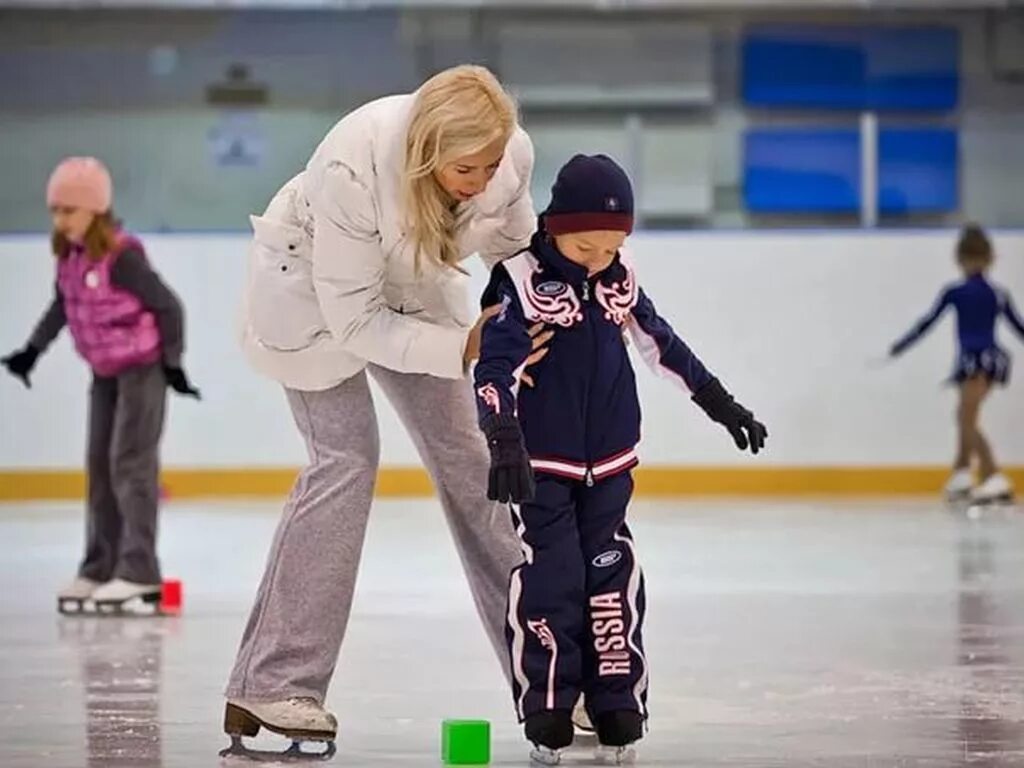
(299, 719)
(584, 734)
(617, 732)
(995, 490)
(119, 596)
(550, 732)
(959, 485)
(76, 596)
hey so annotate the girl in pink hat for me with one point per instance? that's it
(129, 327)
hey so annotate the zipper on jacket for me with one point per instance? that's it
(589, 476)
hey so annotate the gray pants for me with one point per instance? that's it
(291, 643)
(126, 419)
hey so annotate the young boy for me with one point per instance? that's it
(576, 604)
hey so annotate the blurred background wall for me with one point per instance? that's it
(762, 138)
(690, 99)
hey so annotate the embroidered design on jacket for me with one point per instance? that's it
(619, 298)
(561, 307)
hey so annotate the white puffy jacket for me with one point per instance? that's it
(332, 279)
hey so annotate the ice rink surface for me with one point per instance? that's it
(811, 633)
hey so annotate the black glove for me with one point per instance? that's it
(178, 381)
(21, 363)
(719, 405)
(511, 476)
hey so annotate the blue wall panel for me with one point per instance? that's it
(883, 68)
(917, 170)
(800, 69)
(817, 170)
(808, 170)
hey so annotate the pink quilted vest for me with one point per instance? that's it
(111, 328)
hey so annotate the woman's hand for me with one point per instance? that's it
(472, 350)
(540, 340)
(538, 335)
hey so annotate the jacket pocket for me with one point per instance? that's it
(284, 312)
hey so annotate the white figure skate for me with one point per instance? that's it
(959, 485)
(995, 490)
(541, 755)
(299, 719)
(119, 595)
(615, 755)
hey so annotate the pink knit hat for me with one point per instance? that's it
(80, 182)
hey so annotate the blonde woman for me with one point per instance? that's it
(355, 270)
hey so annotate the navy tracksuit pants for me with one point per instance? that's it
(576, 603)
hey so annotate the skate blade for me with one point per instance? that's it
(294, 753)
(73, 606)
(137, 605)
(1006, 500)
(615, 755)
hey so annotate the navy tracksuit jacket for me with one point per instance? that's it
(576, 604)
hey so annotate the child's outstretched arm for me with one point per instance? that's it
(1010, 313)
(504, 349)
(922, 326)
(669, 356)
(21, 362)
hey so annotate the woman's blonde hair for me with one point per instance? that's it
(457, 112)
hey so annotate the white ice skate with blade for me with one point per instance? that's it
(73, 597)
(615, 755)
(995, 490)
(115, 595)
(545, 756)
(299, 719)
(959, 485)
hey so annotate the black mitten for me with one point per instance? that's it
(511, 476)
(21, 363)
(178, 381)
(720, 406)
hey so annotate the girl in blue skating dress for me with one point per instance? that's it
(980, 362)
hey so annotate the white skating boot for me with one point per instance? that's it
(959, 485)
(994, 490)
(298, 718)
(604, 755)
(112, 596)
(541, 755)
(72, 598)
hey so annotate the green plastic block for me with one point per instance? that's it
(466, 742)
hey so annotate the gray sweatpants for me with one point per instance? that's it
(126, 419)
(291, 643)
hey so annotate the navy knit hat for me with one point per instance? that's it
(590, 193)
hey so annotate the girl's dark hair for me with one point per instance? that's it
(99, 239)
(973, 243)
